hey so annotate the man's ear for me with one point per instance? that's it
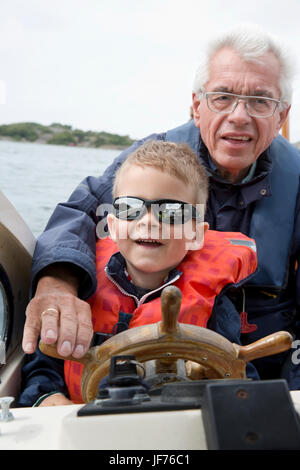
(111, 223)
(283, 115)
(198, 239)
(196, 111)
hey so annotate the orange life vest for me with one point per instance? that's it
(226, 258)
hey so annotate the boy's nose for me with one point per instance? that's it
(148, 218)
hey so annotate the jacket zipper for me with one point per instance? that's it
(144, 297)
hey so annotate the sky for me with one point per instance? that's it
(121, 66)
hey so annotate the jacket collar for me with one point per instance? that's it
(116, 270)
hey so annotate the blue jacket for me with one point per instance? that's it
(266, 207)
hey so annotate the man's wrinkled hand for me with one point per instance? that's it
(56, 314)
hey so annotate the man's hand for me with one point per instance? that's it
(58, 315)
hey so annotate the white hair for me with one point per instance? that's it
(251, 43)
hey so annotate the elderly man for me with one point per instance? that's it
(241, 98)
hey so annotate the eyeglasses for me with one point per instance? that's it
(165, 210)
(256, 106)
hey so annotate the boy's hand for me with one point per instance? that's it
(57, 314)
(56, 400)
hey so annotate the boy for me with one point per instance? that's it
(157, 236)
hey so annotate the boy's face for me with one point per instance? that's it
(149, 246)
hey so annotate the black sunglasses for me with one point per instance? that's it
(165, 210)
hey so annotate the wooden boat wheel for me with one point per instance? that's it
(205, 353)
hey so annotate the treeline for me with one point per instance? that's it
(60, 134)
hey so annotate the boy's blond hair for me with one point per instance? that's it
(176, 159)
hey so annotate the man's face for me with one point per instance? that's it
(236, 140)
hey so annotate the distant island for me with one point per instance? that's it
(61, 134)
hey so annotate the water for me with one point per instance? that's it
(36, 177)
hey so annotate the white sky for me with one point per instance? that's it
(123, 66)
